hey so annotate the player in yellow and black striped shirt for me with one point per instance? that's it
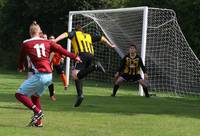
(82, 44)
(130, 70)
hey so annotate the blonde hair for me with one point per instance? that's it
(34, 28)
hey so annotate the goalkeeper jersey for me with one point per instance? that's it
(131, 66)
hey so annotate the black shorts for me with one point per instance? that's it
(87, 60)
(128, 77)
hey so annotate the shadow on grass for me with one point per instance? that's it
(124, 105)
(56, 79)
(13, 126)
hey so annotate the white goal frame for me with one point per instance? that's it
(144, 34)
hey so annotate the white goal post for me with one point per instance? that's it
(172, 66)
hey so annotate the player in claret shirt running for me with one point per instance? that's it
(38, 51)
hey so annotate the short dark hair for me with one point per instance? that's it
(133, 45)
(78, 26)
(77, 23)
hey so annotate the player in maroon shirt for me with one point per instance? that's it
(38, 50)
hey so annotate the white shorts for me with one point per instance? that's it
(36, 84)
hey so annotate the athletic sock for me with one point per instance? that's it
(51, 89)
(79, 87)
(64, 79)
(27, 102)
(36, 101)
(115, 88)
(146, 91)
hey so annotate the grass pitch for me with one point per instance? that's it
(99, 115)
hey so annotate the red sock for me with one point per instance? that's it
(27, 102)
(64, 79)
(36, 101)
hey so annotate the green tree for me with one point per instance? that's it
(52, 15)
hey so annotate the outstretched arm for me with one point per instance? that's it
(105, 41)
(62, 36)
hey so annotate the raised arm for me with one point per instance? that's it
(61, 37)
(105, 41)
(64, 35)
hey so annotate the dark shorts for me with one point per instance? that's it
(59, 69)
(133, 78)
(87, 60)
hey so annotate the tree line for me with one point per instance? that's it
(52, 15)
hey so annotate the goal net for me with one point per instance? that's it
(171, 64)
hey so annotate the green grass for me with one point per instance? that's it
(99, 114)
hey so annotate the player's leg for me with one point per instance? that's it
(118, 82)
(79, 88)
(43, 83)
(64, 79)
(26, 101)
(61, 72)
(144, 86)
(27, 89)
(142, 82)
(51, 88)
(85, 72)
(52, 92)
(78, 82)
(36, 100)
(88, 59)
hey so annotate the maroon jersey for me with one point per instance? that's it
(39, 50)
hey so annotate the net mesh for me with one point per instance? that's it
(171, 64)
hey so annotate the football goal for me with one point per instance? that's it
(172, 66)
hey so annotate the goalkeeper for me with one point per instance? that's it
(130, 70)
(82, 44)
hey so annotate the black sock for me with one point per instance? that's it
(51, 90)
(79, 87)
(146, 91)
(115, 88)
(84, 72)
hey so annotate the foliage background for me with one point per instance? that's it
(52, 15)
